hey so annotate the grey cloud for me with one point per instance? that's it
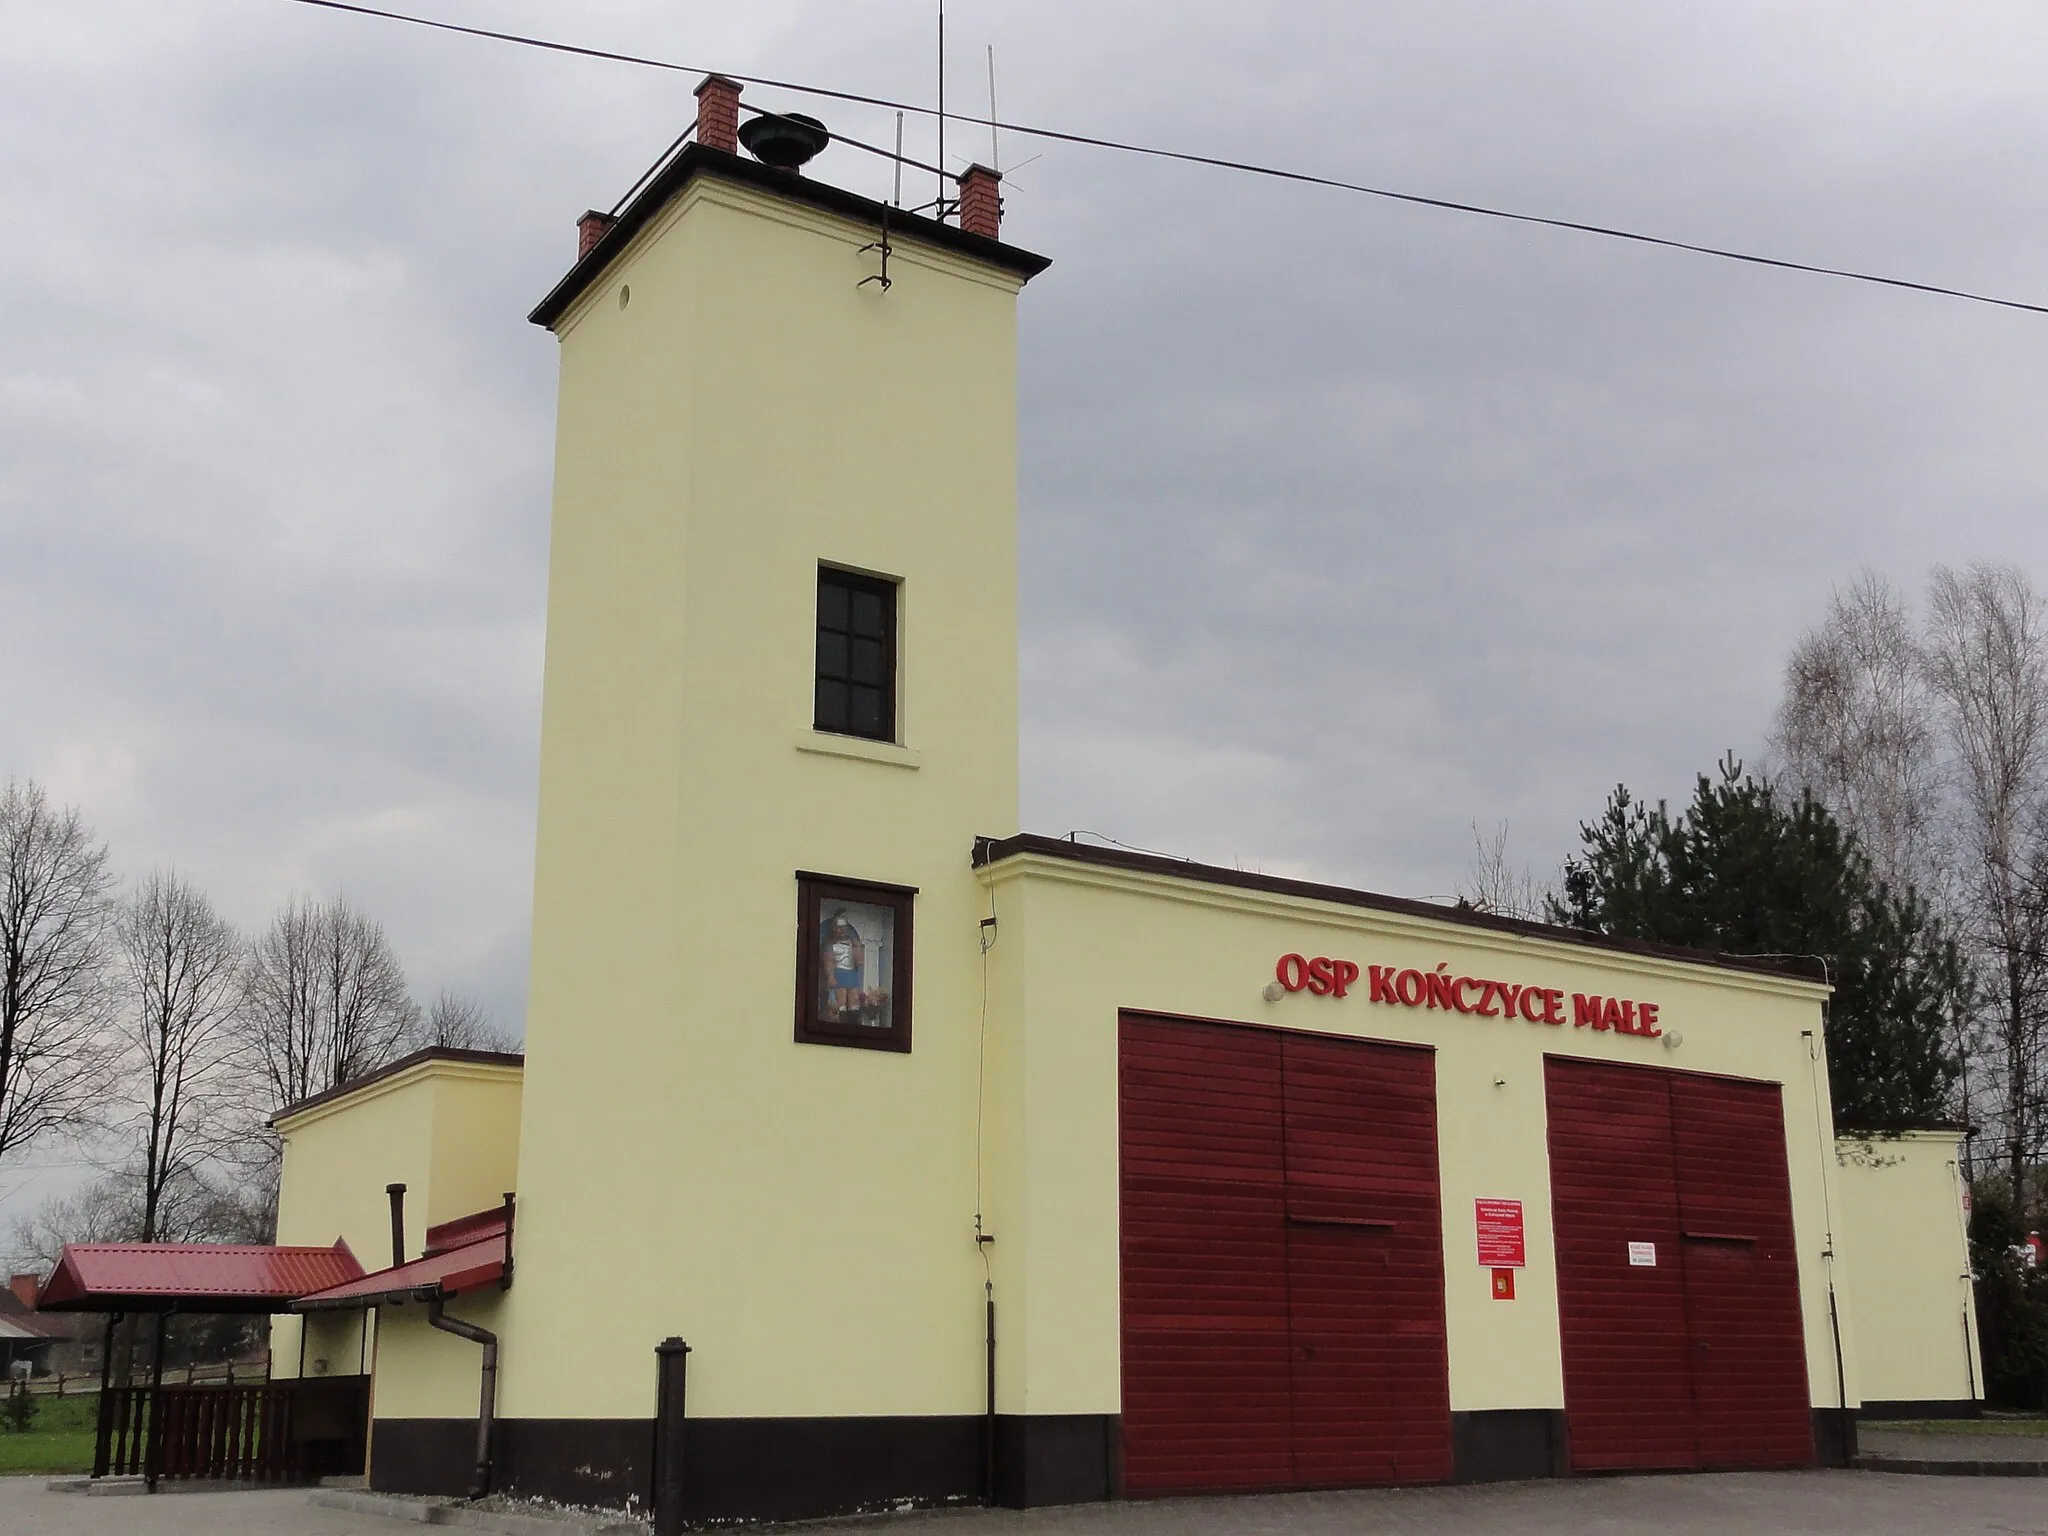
(1344, 524)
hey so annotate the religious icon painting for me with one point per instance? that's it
(853, 963)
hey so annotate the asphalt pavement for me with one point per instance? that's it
(1732, 1504)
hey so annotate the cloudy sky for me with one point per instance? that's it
(1345, 525)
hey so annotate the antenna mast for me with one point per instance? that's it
(941, 211)
(995, 149)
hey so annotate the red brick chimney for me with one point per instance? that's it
(718, 114)
(981, 205)
(590, 229)
(26, 1288)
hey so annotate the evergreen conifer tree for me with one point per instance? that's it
(1747, 870)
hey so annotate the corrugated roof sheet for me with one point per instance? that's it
(466, 1254)
(195, 1277)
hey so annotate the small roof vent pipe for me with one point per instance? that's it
(397, 1194)
(785, 140)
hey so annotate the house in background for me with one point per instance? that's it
(36, 1343)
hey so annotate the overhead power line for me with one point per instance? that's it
(1217, 162)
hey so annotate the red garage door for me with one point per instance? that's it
(1283, 1308)
(1678, 1282)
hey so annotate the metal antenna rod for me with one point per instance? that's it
(995, 148)
(898, 198)
(941, 212)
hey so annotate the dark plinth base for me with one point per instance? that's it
(1056, 1459)
(1921, 1408)
(759, 1469)
(795, 1469)
(1834, 1436)
(1505, 1445)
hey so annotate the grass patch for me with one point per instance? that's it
(61, 1441)
(2013, 1424)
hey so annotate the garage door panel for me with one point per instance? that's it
(1283, 1284)
(1614, 1182)
(1699, 1360)
(1206, 1383)
(1742, 1275)
(1365, 1257)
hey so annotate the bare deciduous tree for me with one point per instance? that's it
(459, 1021)
(1493, 884)
(1857, 726)
(55, 992)
(102, 1211)
(183, 964)
(1987, 659)
(325, 1000)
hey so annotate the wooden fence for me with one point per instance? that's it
(85, 1383)
(232, 1433)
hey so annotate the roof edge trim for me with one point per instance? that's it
(426, 1056)
(989, 852)
(695, 160)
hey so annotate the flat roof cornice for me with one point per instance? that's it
(1060, 856)
(420, 1064)
(697, 160)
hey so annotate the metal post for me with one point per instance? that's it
(988, 1433)
(153, 1452)
(103, 1430)
(511, 1209)
(672, 1364)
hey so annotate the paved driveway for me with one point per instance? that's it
(1744, 1504)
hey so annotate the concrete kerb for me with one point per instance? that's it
(1927, 1466)
(504, 1522)
(121, 1487)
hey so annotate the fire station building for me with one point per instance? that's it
(865, 1150)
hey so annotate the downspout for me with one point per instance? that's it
(480, 1484)
(1847, 1429)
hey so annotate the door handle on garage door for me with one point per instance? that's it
(1368, 1223)
(1718, 1237)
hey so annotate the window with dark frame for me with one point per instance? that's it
(853, 963)
(856, 676)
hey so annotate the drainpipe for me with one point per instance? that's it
(480, 1484)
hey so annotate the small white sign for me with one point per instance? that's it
(1642, 1255)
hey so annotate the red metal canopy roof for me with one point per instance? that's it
(465, 1254)
(191, 1277)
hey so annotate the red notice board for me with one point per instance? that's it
(1501, 1244)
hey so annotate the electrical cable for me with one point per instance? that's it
(1216, 162)
(1103, 837)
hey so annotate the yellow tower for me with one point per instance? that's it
(780, 703)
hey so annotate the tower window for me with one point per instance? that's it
(856, 688)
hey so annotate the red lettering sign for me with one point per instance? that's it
(1322, 976)
(1501, 1242)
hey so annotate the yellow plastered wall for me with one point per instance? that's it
(802, 1214)
(476, 1143)
(1903, 1237)
(336, 1344)
(1077, 943)
(447, 1130)
(424, 1373)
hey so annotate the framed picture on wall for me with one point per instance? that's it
(853, 962)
